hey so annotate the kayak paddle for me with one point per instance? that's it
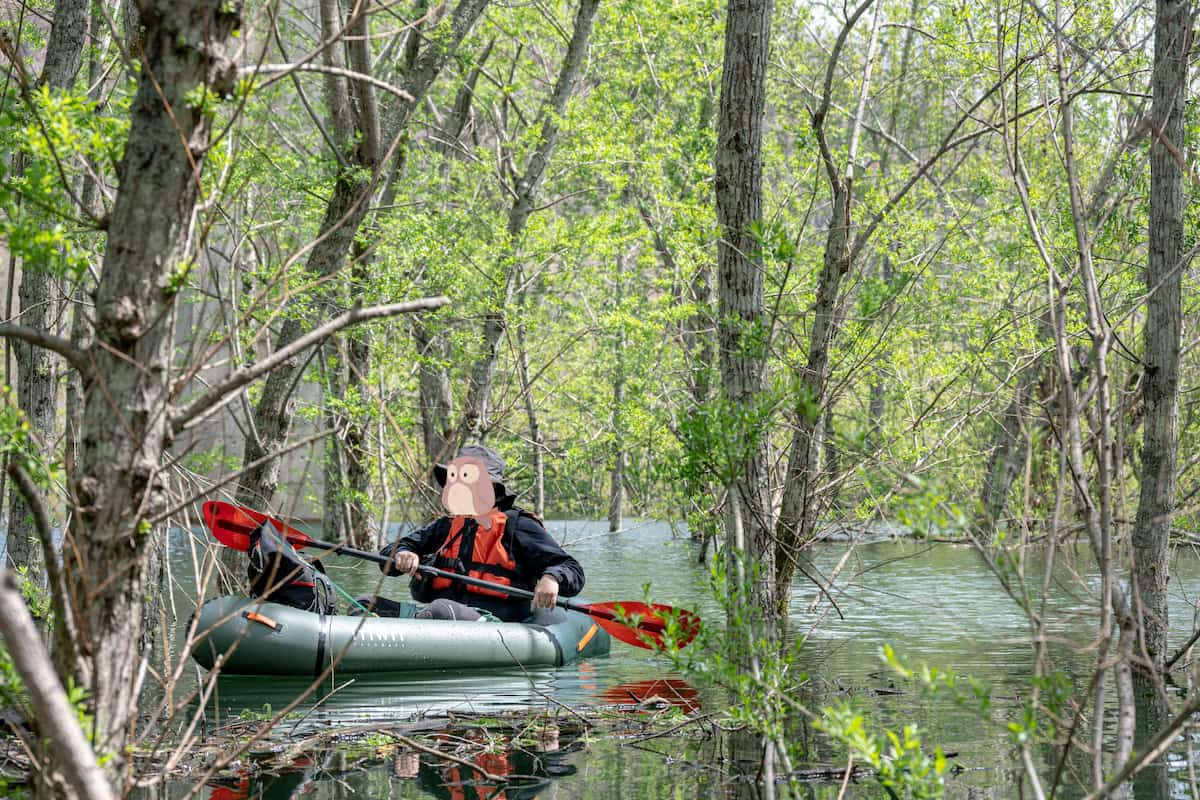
(639, 624)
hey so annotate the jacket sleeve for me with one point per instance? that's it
(537, 553)
(422, 541)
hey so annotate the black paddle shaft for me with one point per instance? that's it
(343, 550)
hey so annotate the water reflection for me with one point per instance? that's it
(654, 693)
(470, 762)
(361, 699)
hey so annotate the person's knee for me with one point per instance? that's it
(442, 608)
(362, 604)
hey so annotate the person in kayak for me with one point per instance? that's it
(485, 536)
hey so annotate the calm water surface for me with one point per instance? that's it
(937, 603)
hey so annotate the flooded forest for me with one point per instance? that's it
(598, 399)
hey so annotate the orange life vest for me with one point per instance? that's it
(481, 553)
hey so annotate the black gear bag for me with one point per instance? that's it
(278, 574)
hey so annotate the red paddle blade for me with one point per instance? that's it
(232, 525)
(648, 625)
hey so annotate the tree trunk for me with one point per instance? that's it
(801, 504)
(81, 776)
(344, 214)
(356, 456)
(37, 384)
(616, 485)
(476, 423)
(1172, 41)
(741, 304)
(535, 430)
(1008, 450)
(119, 482)
(334, 521)
(275, 411)
(64, 51)
(437, 399)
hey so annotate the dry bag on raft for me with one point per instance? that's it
(279, 574)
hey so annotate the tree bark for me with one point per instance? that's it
(355, 453)
(740, 298)
(1008, 449)
(64, 51)
(119, 483)
(334, 519)
(476, 423)
(616, 484)
(537, 440)
(37, 384)
(1163, 332)
(437, 399)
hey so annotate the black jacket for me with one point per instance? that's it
(533, 549)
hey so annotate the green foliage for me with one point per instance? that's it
(720, 436)
(896, 759)
(17, 443)
(965, 690)
(35, 595)
(12, 690)
(46, 143)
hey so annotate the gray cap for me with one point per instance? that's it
(490, 458)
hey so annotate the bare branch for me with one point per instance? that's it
(218, 393)
(41, 523)
(209, 489)
(287, 69)
(55, 715)
(74, 356)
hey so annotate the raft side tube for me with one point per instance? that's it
(271, 639)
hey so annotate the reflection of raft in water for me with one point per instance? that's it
(268, 639)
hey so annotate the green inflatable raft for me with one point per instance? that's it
(250, 637)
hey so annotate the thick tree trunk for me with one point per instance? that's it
(1172, 41)
(118, 483)
(477, 410)
(81, 329)
(64, 51)
(741, 304)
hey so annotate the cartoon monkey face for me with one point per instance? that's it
(468, 490)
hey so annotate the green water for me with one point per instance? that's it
(937, 603)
